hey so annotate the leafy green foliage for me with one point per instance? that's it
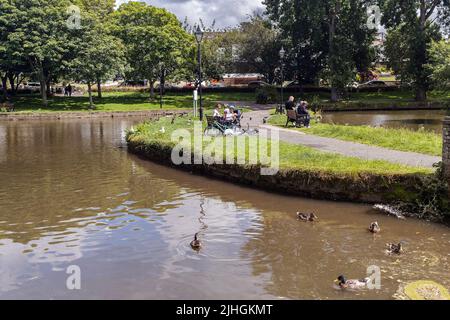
(156, 43)
(414, 25)
(440, 64)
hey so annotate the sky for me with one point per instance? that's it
(227, 13)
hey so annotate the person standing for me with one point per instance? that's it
(69, 89)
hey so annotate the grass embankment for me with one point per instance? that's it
(138, 101)
(118, 101)
(399, 98)
(293, 157)
(422, 141)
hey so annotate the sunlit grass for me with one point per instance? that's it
(136, 101)
(421, 141)
(292, 156)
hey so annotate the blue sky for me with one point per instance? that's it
(226, 12)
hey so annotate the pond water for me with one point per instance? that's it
(70, 194)
(412, 119)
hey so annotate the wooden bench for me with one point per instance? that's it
(299, 120)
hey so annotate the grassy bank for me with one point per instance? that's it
(136, 101)
(303, 171)
(292, 156)
(421, 141)
(118, 101)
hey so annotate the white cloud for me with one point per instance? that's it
(226, 13)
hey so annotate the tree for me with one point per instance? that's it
(44, 36)
(259, 46)
(440, 64)
(304, 33)
(396, 53)
(99, 55)
(328, 38)
(350, 41)
(155, 41)
(100, 8)
(420, 22)
(13, 64)
(101, 11)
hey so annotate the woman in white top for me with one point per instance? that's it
(216, 113)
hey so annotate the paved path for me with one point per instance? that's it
(255, 119)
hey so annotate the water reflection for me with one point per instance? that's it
(412, 119)
(70, 195)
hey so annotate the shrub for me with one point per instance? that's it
(266, 95)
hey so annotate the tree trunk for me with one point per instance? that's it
(421, 55)
(91, 102)
(43, 82)
(4, 87)
(421, 94)
(48, 87)
(99, 88)
(333, 12)
(12, 81)
(334, 95)
(152, 90)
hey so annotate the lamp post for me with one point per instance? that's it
(199, 37)
(282, 54)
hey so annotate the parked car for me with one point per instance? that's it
(32, 86)
(133, 83)
(258, 84)
(371, 84)
(216, 85)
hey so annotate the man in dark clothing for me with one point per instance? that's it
(302, 108)
(290, 105)
(69, 89)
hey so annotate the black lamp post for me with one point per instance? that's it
(199, 37)
(282, 54)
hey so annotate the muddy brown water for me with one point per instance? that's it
(70, 194)
(410, 119)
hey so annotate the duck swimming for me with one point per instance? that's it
(196, 244)
(309, 217)
(343, 283)
(393, 248)
(374, 227)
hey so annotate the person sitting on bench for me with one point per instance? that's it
(228, 116)
(290, 105)
(302, 109)
(237, 114)
(216, 113)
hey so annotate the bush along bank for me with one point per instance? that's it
(411, 189)
(431, 201)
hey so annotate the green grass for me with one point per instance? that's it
(135, 101)
(115, 101)
(292, 156)
(422, 141)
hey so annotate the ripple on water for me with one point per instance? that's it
(216, 247)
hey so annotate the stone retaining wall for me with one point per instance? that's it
(365, 188)
(446, 146)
